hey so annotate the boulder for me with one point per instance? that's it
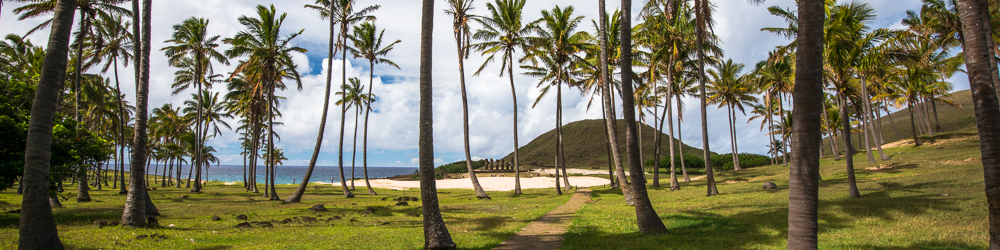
(308, 219)
(244, 225)
(413, 214)
(216, 218)
(241, 217)
(770, 185)
(100, 224)
(402, 203)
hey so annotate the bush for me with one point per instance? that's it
(458, 167)
(690, 162)
(747, 160)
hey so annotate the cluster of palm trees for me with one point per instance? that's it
(836, 63)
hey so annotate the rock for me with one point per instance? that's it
(414, 199)
(142, 236)
(385, 223)
(171, 225)
(184, 196)
(244, 225)
(308, 219)
(158, 236)
(265, 224)
(413, 214)
(370, 210)
(336, 217)
(318, 208)
(216, 218)
(770, 185)
(402, 203)
(151, 221)
(241, 217)
(354, 220)
(100, 224)
(944, 195)
(285, 221)
(383, 198)
(354, 204)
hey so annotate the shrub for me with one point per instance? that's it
(690, 161)
(747, 160)
(458, 167)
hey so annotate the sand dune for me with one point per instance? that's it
(488, 183)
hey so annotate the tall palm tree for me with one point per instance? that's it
(116, 42)
(137, 199)
(436, 234)
(459, 11)
(981, 77)
(346, 17)
(354, 97)
(730, 89)
(269, 61)
(37, 228)
(503, 33)
(369, 46)
(324, 7)
(192, 43)
(649, 222)
(553, 54)
(803, 184)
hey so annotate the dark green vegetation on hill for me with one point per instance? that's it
(926, 198)
(585, 146)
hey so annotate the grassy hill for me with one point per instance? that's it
(583, 142)
(952, 118)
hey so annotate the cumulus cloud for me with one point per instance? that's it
(392, 135)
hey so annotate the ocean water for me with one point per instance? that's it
(292, 174)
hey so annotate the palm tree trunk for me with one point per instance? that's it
(270, 138)
(612, 124)
(436, 234)
(927, 115)
(680, 146)
(562, 153)
(513, 93)
(700, 16)
(649, 222)
(364, 147)
(865, 134)
(845, 123)
(480, 193)
(981, 79)
(639, 125)
(913, 125)
(163, 179)
(674, 185)
(870, 121)
(556, 170)
(657, 138)
(121, 129)
(297, 196)
(343, 113)
(135, 204)
(803, 183)
(937, 123)
(354, 152)
(607, 146)
(198, 140)
(784, 130)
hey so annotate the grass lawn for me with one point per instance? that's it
(473, 224)
(903, 206)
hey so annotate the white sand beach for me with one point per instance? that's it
(488, 183)
(548, 171)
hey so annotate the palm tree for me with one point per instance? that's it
(346, 17)
(137, 199)
(649, 222)
(553, 54)
(115, 40)
(324, 7)
(353, 98)
(803, 185)
(733, 90)
(269, 61)
(503, 33)
(981, 76)
(436, 234)
(37, 226)
(459, 11)
(369, 46)
(192, 43)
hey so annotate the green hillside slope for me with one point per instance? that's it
(953, 118)
(585, 148)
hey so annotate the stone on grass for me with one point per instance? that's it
(402, 203)
(244, 225)
(318, 208)
(241, 217)
(413, 214)
(770, 185)
(216, 218)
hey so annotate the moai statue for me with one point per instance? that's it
(490, 164)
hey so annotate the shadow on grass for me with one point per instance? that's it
(919, 245)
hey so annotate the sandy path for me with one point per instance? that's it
(488, 183)
(547, 231)
(549, 171)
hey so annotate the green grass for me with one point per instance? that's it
(473, 224)
(902, 206)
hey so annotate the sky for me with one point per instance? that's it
(392, 136)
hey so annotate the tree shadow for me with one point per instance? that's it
(933, 244)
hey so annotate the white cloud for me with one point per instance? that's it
(393, 127)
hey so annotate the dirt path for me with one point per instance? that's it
(547, 231)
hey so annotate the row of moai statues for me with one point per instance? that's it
(498, 165)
